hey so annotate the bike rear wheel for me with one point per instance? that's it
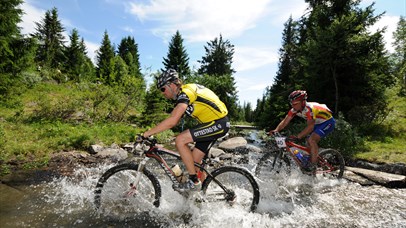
(117, 195)
(271, 163)
(233, 185)
(331, 164)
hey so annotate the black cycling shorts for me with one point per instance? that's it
(206, 133)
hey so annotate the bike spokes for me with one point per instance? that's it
(120, 196)
(232, 187)
(331, 164)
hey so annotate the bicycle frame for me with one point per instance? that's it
(155, 152)
(286, 146)
(135, 180)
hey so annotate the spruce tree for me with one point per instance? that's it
(16, 52)
(276, 104)
(216, 73)
(105, 61)
(128, 51)
(49, 33)
(75, 57)
(346, 66)
(399, 56)
(9, 18)
(177, 57)
(218, 59)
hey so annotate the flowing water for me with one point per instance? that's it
(297, 201)
(294, 201)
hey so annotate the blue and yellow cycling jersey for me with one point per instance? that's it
(203, 104)
(313, 111)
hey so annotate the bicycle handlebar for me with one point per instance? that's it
(151, 141)
(287, 138)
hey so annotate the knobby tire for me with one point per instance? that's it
(239, 181)
(334, 160)
(266, 166)
(112, 194)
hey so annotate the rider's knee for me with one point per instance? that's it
(180, 140)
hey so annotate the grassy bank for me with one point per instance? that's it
(50, 118)
(387, 142)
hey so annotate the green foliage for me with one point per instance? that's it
(77, 66)
(218, 58)
(177, 57)
(216, 72)
(274, 104)
(105, 61)
(157, 106)
(330, 53)
(9, 18)
(399, 56)
(344, 138)
(128, 51)
(340, 56)
(49, 117)
(49, 34)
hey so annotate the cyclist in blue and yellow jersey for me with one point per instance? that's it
(200, 103)
(320, 122)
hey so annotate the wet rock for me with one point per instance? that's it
(116, 154)
(215, 152)
(395, 168)
(381, 178)
(232, 143)
(357, 178)
(94, 149)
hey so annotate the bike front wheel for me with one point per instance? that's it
(331, 164)
(271, 163)
(117, 192)
(233, 185)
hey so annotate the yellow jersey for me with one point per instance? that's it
(203, 104)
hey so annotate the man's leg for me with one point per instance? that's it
(182, 141)
(313, 141)
(193, 183)
(198, 156)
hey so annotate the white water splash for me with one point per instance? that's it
(295, 201)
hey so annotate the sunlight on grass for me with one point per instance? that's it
(389, 152)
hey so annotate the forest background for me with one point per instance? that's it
(53, 98)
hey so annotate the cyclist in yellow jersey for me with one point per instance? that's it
(200, 103)
(320, 122)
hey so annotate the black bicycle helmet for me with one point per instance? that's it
(297, 95)
(170, 75)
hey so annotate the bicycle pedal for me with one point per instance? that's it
(232, 201)
(199, 198)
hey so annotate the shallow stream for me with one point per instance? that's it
(297, 201)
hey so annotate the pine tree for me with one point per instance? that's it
(216, 73)
(75, 56)
(157, 106)
(128, 51)
(345, 66)
(105, 61)
(399, 56)
(9, 18)
(50, 36)
(177, 58)
(218, 59)
(275, 103)
(16, 52)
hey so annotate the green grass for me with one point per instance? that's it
(388, 143)
(392, 151)
(33, 126)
